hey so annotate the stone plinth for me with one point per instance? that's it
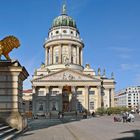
(12, 75)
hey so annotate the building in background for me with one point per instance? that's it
(128, 97)
(62, 83)
(27, 102)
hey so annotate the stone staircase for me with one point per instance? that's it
(7, 133)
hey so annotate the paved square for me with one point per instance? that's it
(98, 128)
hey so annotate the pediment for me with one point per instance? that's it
(67, 75)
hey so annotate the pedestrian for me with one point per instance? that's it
(76, 114)
(124, 117)
(62, 115)
(59, 114)
(50, 114)
(131, 118)
(93, 114)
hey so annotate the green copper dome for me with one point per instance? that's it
(64, 19)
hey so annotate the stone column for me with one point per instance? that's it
(47, 99)
(60, 54)
(87, 97)
(112, 97)
(34, 89)
(12, 75)
(34, 100)
(99, 96)
(81, 56)
(51, 55)
(70, 53)
(60, 98)
(74, 98)
(77, 55)
(46, 61)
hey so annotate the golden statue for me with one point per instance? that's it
(7, 45)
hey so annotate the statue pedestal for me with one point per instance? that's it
(12, 75)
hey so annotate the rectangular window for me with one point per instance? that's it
(54, 93)
(79, 92)
(40, 93)
(79, 107)
(91, 92)
(91, 105)
(56, 59)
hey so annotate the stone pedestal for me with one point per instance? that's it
(12, 75)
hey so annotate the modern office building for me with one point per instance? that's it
(128, 97)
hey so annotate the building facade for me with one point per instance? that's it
(62, 83)
(27, 102)
(129, 97)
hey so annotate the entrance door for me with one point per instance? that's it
(66, 93)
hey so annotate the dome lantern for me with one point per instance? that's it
(64, 19)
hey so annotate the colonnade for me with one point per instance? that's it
(74, 95)
(50, 54)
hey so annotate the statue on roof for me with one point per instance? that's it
(99, 71)
(64, 9)
(104, 73)
(112, 75)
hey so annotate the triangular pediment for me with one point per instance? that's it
(67, 75)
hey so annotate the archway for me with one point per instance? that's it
(66, 98)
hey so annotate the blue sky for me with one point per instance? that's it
(110, 30)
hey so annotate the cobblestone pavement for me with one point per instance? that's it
(98, 128)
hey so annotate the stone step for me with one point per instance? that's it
(6, 132)
(2, 128)
(2, 124)
(12, 135)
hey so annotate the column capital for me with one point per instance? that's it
(73, 88)
(60, 87)
(87, 87)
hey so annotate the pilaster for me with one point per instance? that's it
(99, 96)
(112, 97)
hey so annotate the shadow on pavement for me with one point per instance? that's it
(136, 136)
(27, 134)
(46, 123)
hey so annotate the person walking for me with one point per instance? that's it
(76, 114)
(124, 117)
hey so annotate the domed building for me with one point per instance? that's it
(62, 83)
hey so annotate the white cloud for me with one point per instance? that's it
(137, 79)
(129, 66)
(122, 49)
(123, 52)
(124, 56)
